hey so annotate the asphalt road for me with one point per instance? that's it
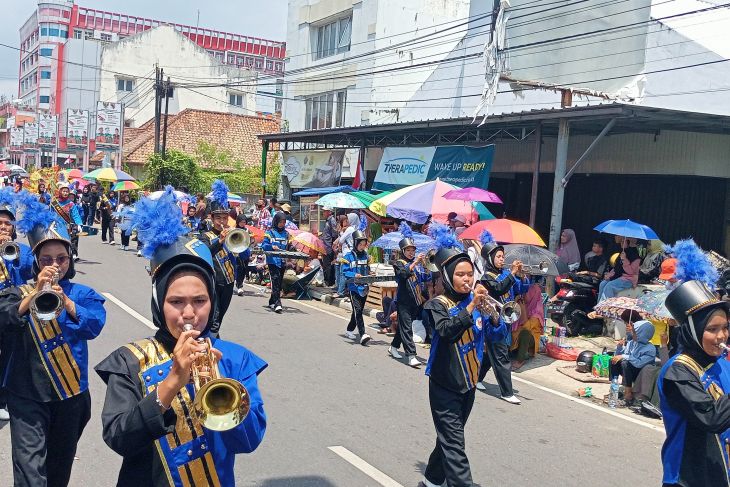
(322, 391)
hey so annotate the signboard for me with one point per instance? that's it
(47, 130)
(30, 136)
(458, 165)
(108, 125)
(77, 129)
(313, 169)
(10, 122)
(16, 139)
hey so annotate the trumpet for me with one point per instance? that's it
(47, 304)
(542, 268)
(220, 403)
(510, 311)
(237, 240)
(10, 250)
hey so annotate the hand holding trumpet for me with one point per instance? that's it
(479, 300)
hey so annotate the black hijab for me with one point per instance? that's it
(696, 328)
(449, 270)
(160, 284)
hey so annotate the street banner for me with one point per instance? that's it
(77, 129)
(47, 131)
(16, 139)
(313, 169)
(30, 137)
(108, 125)
(459, 165)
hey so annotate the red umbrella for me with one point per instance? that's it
(255, 232)
(504, 231)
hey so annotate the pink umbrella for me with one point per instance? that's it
(472, 194)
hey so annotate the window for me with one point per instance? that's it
(64, 34)
(88, 34)
(44, 99)
(235, 99)
(125, 84)
(45, 75)
(334, 38)
(326, 110)
(106, 37)
(46, 51)
(54, 31)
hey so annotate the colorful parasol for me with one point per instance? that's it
(256, 232)
(472, 194)
(108, 174)
(232, 198)
(617, 307)
(72, 174)
(628, 229)
(390, 241)
(305, 241)
(504, 231)
(340, 200)
(652, 302)
(79, 183)
(125, 186)
(415, 203)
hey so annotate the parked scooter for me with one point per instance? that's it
(576, 297)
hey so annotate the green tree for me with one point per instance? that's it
(178, 169)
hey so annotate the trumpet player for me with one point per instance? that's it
(149, 415)
(412, 276)
(503, 285)
(225, 260)
(47, 377)
(461, 320)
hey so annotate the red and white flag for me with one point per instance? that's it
(359, 180)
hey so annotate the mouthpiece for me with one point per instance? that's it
(724, 347)
(187, 327)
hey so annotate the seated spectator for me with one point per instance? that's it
(459, 223)
(645, 385)
(388, 318)
(627, 268)
(651, 265)
(526, 332)
(634, 356)
(298, 269)
(595, 261)
(568, 252)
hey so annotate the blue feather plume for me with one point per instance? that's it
(34, 213)
(220, 192)
(8, 197)
(158, 222)
(693, 263)
(486, 237)
(405, 229)
(443, 237)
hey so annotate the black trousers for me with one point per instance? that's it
(241, 270)
(125, 238)
(628, 372)
(450, 411)
(223, 294)
(497, 357)
(74, 240)
(406, 314)
(277, 276)
(106, 228)
(328, 268)
(44, 436)
(356, 320)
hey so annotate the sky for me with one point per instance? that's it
(257, 18)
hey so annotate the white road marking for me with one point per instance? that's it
(129, 310)
(590, 405)
(525, 381)
(364, 467)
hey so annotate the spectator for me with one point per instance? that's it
(637, 354)
(260, 212)
(286, 208)
(459, 223)
(595, 261)
(124, 201)
(528, 329)
(627, 268)
(345, 245)
(94, 198)
(450, 219)
(645, 385)
(200, 206)
(568, 251)
(272, 208)
(85, 203)
(328, 236)
(108, 206)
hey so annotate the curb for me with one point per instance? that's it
(340, 303)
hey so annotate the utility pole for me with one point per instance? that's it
(158, 107)
(167, 105)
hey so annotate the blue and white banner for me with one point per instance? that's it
(457, 164)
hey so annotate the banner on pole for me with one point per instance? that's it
(458, 165)
(30, 137)
(16, 139)
(77, 129)
(313, 169)
(47, 131)
(108, 125)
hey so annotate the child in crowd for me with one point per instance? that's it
(638, 353)
(356, 265)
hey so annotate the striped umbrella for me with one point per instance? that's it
(304, 241)
(108, 174)
(232, 198)
(72, 173)
(125, 186)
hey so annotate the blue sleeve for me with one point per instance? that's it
(24, 266)
(247, 436)
(75, 216)
(266, 244)
(494, 333)
(347, 269)
(90, 314)
(521, 286)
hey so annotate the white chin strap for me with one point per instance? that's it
(692, 330)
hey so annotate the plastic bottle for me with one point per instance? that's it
(613, 394)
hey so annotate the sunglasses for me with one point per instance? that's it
(47, 261)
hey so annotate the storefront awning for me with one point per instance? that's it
(327, 190)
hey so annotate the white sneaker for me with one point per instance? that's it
(272, 306)
(278, 309)
(481, 386)
(4, 415)
(394, 353)
(351, 335)
(511, 399)
(76, 258)
(235, 290)
(240, 291)
(414, 362)
(139, 253)
(364, 339)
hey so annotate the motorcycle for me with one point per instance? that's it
(577, 295)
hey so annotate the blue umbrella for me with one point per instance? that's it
(389, 241)
(627, 229)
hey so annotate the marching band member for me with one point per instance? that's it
(225, 260)
(454, 360)
(69, 212)
(147, 416)
(13, 272)
(47, 379)
(503, 285)
(411, 276)
(356, 265)
(276, 238)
